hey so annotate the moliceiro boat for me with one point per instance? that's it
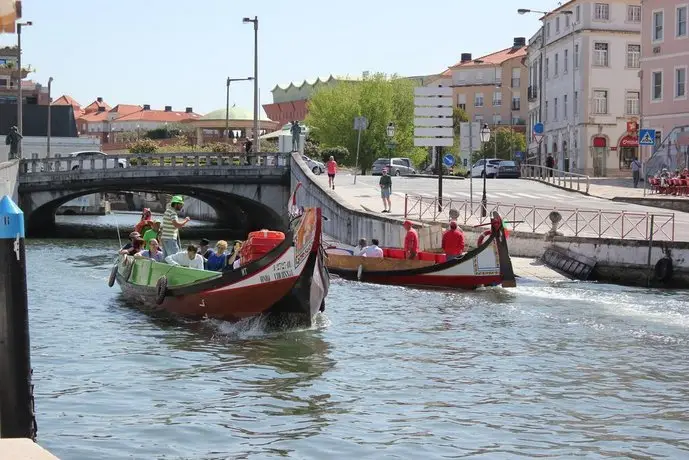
(487, 265)
(288, 283)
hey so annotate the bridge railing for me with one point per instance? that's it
(68, 165)
(565, 179)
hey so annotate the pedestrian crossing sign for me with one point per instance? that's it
(647, 137)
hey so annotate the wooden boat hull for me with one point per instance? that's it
(290, 283)
(487, 265)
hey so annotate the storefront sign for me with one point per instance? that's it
(599, 142)
(629, 141)
(632, 127)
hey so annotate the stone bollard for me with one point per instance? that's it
(555, 219)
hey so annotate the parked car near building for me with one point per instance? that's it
(491, 167)
(508, 168)
(395, 167)
(98, 159)
(315, 166)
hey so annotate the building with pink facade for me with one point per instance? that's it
(664, 74)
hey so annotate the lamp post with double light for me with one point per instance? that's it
(254, 21)
(227, 105)
(485, 137)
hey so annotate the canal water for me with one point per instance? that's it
(547, 369)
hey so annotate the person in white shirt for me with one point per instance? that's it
(189, 258)
(373, 250)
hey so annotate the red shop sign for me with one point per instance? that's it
(629, 141)
(599, 142)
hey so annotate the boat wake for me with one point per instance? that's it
(260, 327)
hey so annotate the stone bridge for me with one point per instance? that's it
(247, 196)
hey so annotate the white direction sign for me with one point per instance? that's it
(433, 101)
(433, 132)
(422, 91)
(433, 111)
(433, 142)
(433, 125)
(466, 143)
(435, 122)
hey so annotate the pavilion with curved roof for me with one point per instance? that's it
(211, 126)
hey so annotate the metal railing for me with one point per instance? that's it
(66, 165)
(533, 219)
(570, 180)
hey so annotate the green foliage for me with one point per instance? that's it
(311, 148)
(459, 115)
(143, 146)
(338, 152)
(508, 141)
(269, 146)
(379, 98)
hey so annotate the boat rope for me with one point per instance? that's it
(117, 226)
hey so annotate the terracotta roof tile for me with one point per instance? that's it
(94, 117)
(125, 109)
(93, 106)
(157, 116)
(66, 100)
(494, 58)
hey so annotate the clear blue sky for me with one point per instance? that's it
(179, 52)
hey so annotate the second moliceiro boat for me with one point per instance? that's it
(487, 265)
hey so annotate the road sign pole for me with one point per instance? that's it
(440, 177)
(471, 169)
(356, 163)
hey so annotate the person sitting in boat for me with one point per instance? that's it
(453, 241)
(372, 250)
(217, 260)
(171, 225)
(204, 248)
(411, 241)
(136, 247)
(154, 252)
(189, 258)
(233, 259)
(362, 245)
(132, 237)
(145, 221)
(151, 234)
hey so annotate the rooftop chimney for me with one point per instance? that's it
(519, 42)
(466, 57)
(189, 110)
(99, 99)
(147, 107)
(168, 108)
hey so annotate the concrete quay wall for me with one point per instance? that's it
(8, 179)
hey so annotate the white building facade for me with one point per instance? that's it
(586, 91)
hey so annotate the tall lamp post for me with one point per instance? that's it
(391, 142)
(20, 97)
(543, 69)
(50, 125)
(485, 137)
(254, 21)
(227, 105)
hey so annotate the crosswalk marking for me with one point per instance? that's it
(526, 195)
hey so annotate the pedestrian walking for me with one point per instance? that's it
(386, 190)
(636, 171)
(331, 166)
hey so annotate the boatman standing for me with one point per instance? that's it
(411, 241)
(171, 225)
(453, 241)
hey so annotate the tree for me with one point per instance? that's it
(459, 115)
(143, 146)
(508, 141)
(379, 98)
(336, 152)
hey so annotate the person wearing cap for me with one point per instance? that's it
(204, 250)
(154, 252)
(453, 241)
(144, 222)
(169, 233)
(132, 237)
(136, 247)
(411, 241)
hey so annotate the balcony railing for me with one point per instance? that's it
(532, 93)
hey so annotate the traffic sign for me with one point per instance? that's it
(449, 160)
(538, 128)
(647, 136)
(466, 145)
(519, 155)
(433, 111)
(433, 101)
(433, 142)
(424, 91)
(433, 121)
(433, 132)
(360, 123)
(538, 137)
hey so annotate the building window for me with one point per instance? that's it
(657, 86)
(497, 99)
(633, 13)
(557, 25)
(632, 103)
(516, 77)
(600, 54)
(516, 103)
(565, 65)
(478, 100)
(547, 68)
(576, 56)
(547, 30)
(633, 56)
(600, 102)
(680, 82)
(681, 13)
(602, 12)
(557, 64)
(567, 21)
(578, 13)
(575, 108)
(658, 19)
(546, 111)
(462, 106)
(555, 109)
(497, 119)
(564, 107)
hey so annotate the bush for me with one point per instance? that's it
(341, 154)
(143, 146)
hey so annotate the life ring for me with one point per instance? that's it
(113, 276)
(664, 269)
(482, 237)
(161, 289)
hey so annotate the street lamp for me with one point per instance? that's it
(254, 21)
(391, 134)
(542, 72)
(227, 105)
(485, 137)
(50, 126)
(20, 104)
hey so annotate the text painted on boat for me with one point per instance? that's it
(281, 271)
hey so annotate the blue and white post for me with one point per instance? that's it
(16, 393)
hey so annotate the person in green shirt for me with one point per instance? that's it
(386, 190)
(151, 234)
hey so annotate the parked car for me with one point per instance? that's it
(395, 167)
(491, 167)
(508, 168)
(315, 166)
(98, 157)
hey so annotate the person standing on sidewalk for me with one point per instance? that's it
(386, 190)
(636, 171)
(331, 166)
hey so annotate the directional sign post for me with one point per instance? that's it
(538, 130)
(433, 124)
(360, 124)
(647, 136)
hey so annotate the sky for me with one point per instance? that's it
(180, 52)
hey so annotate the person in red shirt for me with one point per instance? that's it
(331, 166)
(411, 241)
(453, 241)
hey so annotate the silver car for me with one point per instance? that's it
(395, 167)
(315, 166)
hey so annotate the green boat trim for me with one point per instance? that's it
(146, 273)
